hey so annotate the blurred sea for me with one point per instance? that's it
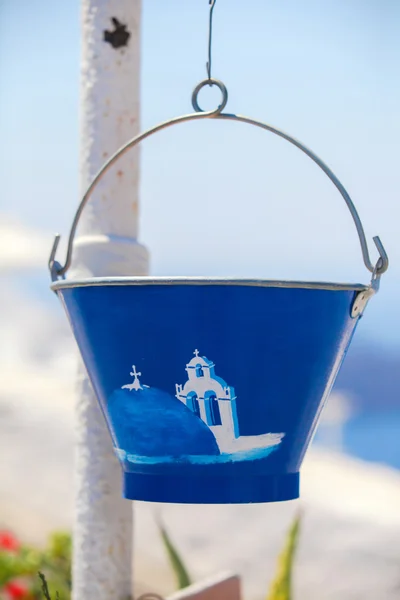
(372, 436)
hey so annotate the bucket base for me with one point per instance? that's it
(211, 490)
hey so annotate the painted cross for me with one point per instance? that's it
(134, 373)
(135, 385)
(196, 352)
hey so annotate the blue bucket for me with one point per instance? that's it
(212, 388)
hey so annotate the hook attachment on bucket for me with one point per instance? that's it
(362, 298)
(383, 260)
(54, 266)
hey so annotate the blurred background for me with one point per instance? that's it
(218, 199)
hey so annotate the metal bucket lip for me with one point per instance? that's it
(196, 280)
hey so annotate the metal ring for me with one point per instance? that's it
(381, 266)
(210, 82)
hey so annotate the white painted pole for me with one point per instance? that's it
(106, 245)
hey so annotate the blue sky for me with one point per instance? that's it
(222, 198)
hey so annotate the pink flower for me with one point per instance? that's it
(15, 590)
(8, 542)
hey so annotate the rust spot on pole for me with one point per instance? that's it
(119, 36)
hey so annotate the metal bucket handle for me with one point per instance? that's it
(57, 270)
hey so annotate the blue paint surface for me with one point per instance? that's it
(149, 422)
(278, 348)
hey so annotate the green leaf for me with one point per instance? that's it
(60, 545)
(45, 587)
(178, 567)
(23, 563)
(281, 588)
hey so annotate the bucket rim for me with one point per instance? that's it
(198, 280)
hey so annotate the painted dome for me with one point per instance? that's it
(149, 422)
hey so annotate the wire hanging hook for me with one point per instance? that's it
(208, 65)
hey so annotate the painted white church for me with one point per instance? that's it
(214, 402)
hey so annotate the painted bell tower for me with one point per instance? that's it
(211, 399)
